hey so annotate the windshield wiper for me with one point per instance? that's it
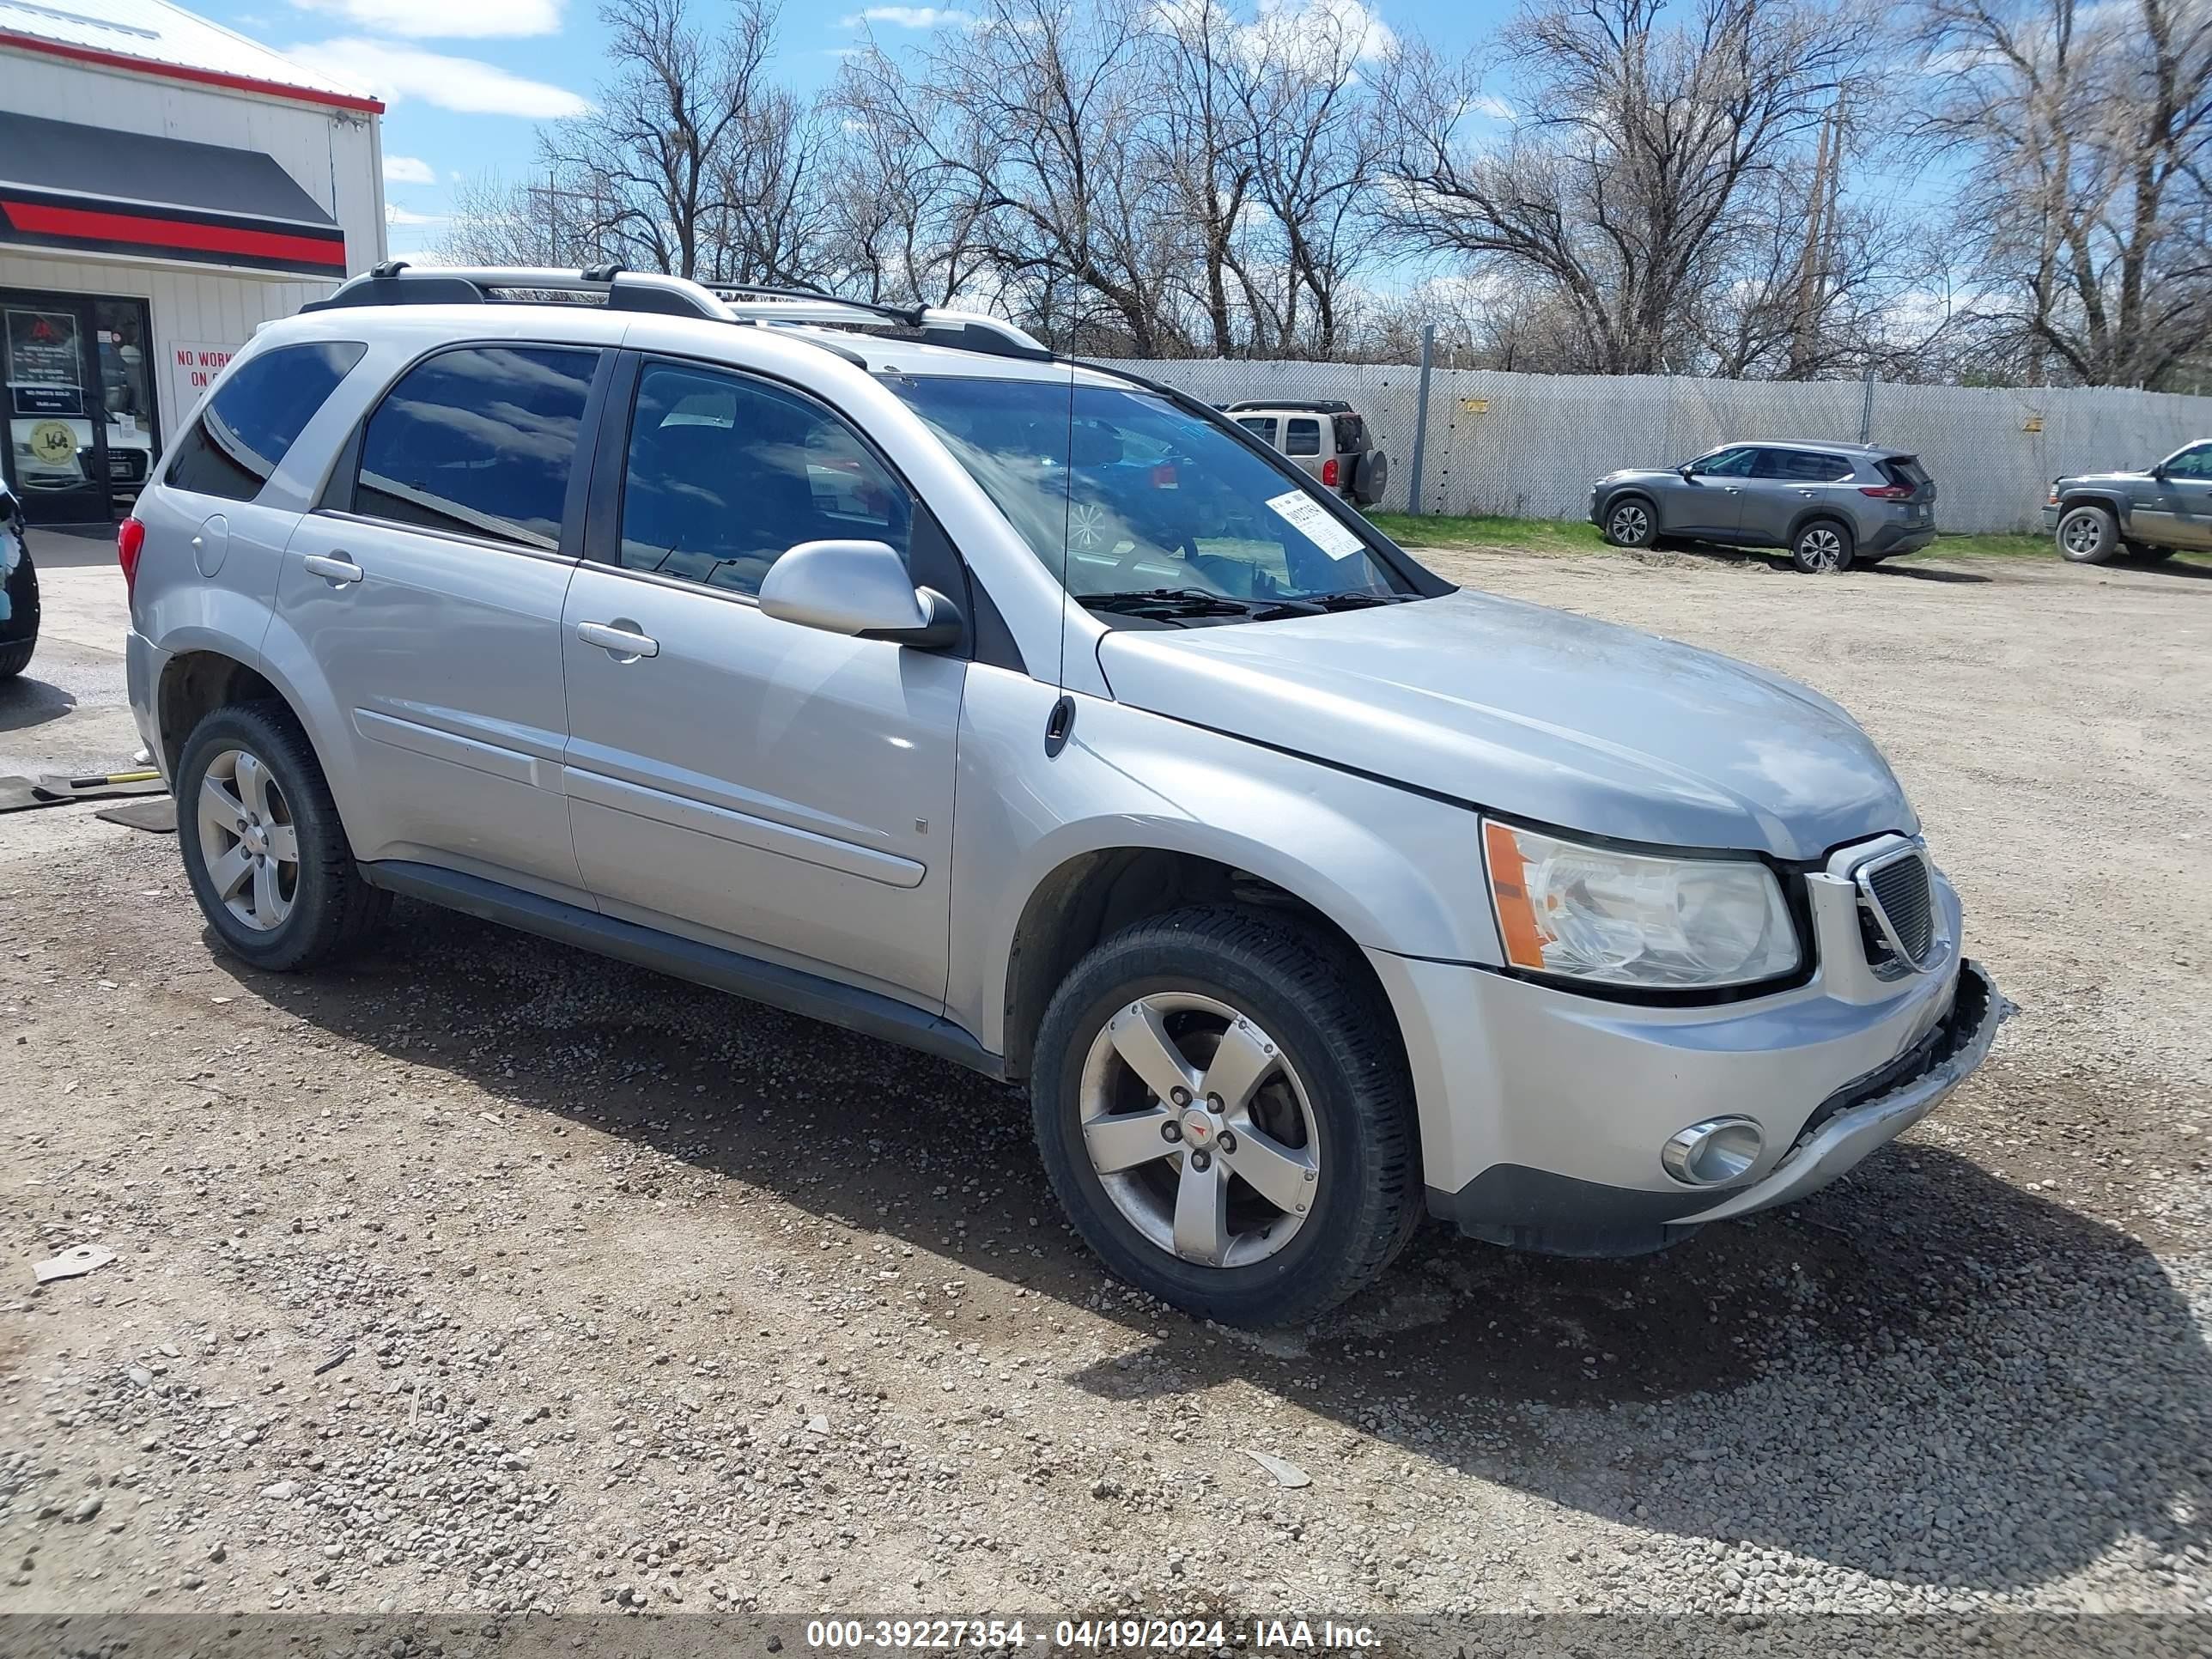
(1171, 602)
(1354, 601)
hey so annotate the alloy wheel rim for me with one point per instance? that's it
(2082, 536)
(1199, 1129)
(1628, 523)
(249, 844)
(1822, 549)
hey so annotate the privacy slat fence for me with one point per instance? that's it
(1527, 446)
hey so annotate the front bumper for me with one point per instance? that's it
(1543, 1112)
(2050, 520)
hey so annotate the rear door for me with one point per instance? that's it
(1304, 442)
(1785, 484)
(429, 595)
(733, 777)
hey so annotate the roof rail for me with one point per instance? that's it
(1319, 405)
(395, 283)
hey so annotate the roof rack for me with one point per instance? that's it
(1318, 405)
(395, 283)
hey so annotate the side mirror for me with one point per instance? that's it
(2158, 471)
(860, 590)
(1687, 471)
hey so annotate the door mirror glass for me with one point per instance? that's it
(858, 589)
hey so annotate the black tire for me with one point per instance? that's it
(332, 909)
(1631, 521)
(1821, 547)
(1334, 1029)
(2089, 534)
(22, 618)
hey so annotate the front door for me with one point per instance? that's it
(57, 454)
(2187, 489)
(733, 777)
(429, 597)
(1709, 501)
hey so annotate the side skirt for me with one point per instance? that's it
(868, 1013)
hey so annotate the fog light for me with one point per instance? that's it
(1719, 1148)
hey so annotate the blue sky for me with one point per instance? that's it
(467, 80)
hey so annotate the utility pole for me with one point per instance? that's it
(1817, 261)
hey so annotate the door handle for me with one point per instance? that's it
(334, 567)
(619, 639)
(1735, 489)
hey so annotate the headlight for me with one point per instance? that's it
(1633, 918)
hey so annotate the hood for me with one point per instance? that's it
(1534, 712)
(2105, 478)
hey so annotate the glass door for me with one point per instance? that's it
(57, 452)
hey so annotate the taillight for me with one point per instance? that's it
(1163, 476)
(130, 542)
(1886, 492)
(1329, 472)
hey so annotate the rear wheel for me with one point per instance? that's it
(1631, 522)
(1223, 1113)
(15, 658)
(263, 848)
(22, 618)
(1823, 548)
(2089, 535)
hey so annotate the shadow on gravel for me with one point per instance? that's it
(1925, 1373)
(1779, 562)
(25, 702)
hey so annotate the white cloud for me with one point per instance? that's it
(396, 215)
(419, 20)
(1495, 109)
(910, 17)
(408, 170)
(463, 84)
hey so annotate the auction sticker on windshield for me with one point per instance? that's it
(1309, 517)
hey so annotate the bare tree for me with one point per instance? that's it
(1623, 178)
(657, 146)
(2085, 131)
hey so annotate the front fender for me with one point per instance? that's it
(1396, 870)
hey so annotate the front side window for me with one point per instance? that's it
(1302, 438)
(2195, 462)
(254, 418)
(1122, 494)
(1726, 464)
(725, 475)
(479, 442)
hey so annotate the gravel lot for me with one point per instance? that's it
(489, 1277)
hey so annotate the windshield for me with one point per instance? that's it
(1128, 495)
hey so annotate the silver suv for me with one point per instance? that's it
(881, 665)
(1830, 505)
(1327, 438)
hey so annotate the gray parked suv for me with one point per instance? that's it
(2097, 516)
(1830, 505)
(882, 665)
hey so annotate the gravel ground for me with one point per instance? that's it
(486, 1277)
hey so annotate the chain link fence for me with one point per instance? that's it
(1529, 446)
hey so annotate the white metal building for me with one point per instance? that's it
(166, 185)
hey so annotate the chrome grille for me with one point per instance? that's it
(1900, 901)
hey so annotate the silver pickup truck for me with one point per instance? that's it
(2099, 516)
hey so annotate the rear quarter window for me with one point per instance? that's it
(250, 425)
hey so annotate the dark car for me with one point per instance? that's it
(1830, 505)
(2097, 516)
(19, 591)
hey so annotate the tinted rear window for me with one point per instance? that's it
(254, 418)
(1905, 470)
(1261, 427)
(1801, 466)
(1302, 438)
(479, 442)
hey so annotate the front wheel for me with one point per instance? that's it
(1225, 1114)
(1823, 548)
(2089, 535)
(1631, 522)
